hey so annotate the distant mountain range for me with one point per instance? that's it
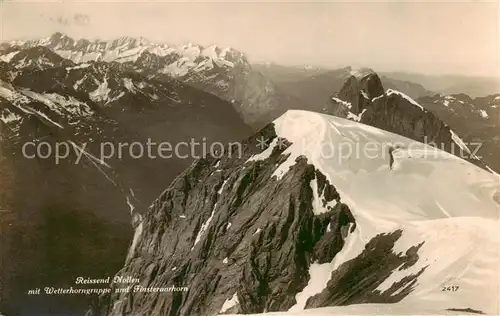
(315, 87)
(452, 84)
(224, 72)
(413, 84)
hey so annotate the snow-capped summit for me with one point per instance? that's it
(212, 51)
(129, 49)
(130, 41)
(190, 50)
(360, 72)
(232, 55)
(315, 224)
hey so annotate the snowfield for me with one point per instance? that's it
(434, 197)
(365, 309)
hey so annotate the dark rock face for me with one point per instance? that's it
(398, 115)
(372, 85)
(466, 310)
(226, 229)
(61, 40)
(359, 91)
(363, 99)
(6, 71)
(356, 281)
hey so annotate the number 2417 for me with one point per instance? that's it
(449, 288)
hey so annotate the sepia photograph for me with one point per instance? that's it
(274, 158)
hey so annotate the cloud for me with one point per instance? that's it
(62, 20)
(81, 19)
(78, 19)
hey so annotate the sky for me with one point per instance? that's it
(426, 37)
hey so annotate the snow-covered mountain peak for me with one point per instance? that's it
(163, 58)
(330, 203)
(212, 51)
(58, 36)
(190, 50)
(377, 174)
(357, 158)
(60, 41)
(132, 41)
(233, 55)
(360, 72)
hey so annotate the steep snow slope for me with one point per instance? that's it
(434, 197)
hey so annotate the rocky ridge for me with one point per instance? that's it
(363, 99)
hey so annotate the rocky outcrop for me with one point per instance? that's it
(395, 113)
(356, 281)
(362, 99)
(358, 91)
